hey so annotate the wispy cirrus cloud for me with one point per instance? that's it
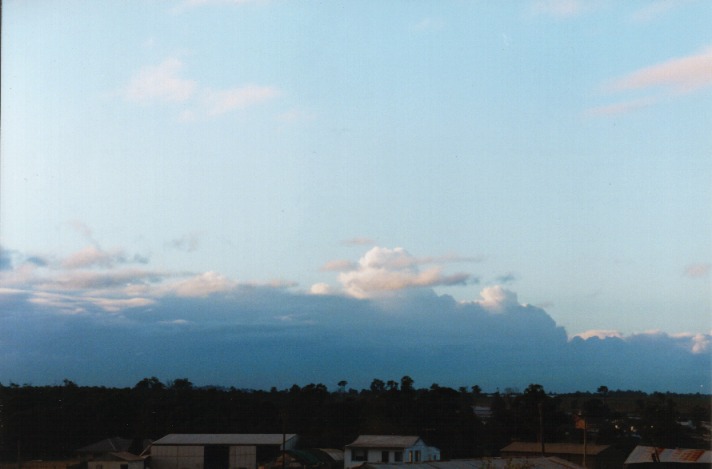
(669, 79)
(678, 75)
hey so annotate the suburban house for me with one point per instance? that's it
(388, 449)
(101, 448)
(550, 462)
(218, 451)
(659, 458)
(117, 460)
(595, 457)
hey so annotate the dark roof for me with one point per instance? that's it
(123, 456)
(549, 462)
(234, 439)
(107, 446)
(553, 448)
(384, 441)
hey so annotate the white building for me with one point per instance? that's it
(117, 460)
(388, 449)
(217, 451)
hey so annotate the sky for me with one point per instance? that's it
(260, 193)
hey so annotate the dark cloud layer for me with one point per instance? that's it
(257, 337)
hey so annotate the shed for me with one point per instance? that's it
(218, 451)
(597, 456)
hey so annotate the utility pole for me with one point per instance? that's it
(540, 406)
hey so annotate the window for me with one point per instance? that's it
(384, 456)
(358, 454)
(398, 456)
(417, 456)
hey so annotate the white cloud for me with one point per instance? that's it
(358, 242)
(562, 8)
(339, 265)
(203, 285)
(217, 102)
(672, 78)
(160, 83)
(321, 289)
(680, 75)
(599, 333)
(700, 270)
(93, 256)
(383, 270)
(497, 298)
(429, 24)
(621, 108)
(655, 9)
(163, 83)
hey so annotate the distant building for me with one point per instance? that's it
(315, 458)
(659, 458)
(111, 445)
(549, 462)
(597, 456)
(388, 449)
(117, 460)
(217, 451)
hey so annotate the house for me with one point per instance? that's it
(549, 462)
(313, 458)
(117, 460)
(388, 449)
(647, 456)
(596, 456)
(111, 445)
(218, 451)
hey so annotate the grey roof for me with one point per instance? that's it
(553, 448)
(486, 463)
(644, 454)
(335, 454)
(125, 456)
(107, 445)
(384, 441)
(235, 439)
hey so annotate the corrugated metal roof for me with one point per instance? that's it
(485, 463)
(552, 448)
(646, 454)
(384, 441)
(335, 454)
(235, 439)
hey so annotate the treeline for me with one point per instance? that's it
(46, 422)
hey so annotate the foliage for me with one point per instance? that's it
(44, 422)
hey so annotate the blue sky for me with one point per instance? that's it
(398, 163)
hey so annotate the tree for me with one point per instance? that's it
(377, 386)
(407, 383)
